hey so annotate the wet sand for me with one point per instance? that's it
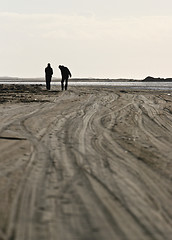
(87, 163)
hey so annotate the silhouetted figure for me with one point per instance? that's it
(48, 76)
(65, 76)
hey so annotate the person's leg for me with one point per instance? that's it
(49, 83)
(66, 84)
(46, 82)
(62, 84)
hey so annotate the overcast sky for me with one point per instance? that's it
(94, 38)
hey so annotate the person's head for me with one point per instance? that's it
(61, 66)
(49, 65)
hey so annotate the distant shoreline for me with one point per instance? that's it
(16, 79)
(147, 79)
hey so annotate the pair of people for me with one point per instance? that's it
(65, 76)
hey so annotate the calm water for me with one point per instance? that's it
(136, 85)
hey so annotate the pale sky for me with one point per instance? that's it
(94, 38)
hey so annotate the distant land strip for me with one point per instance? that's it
(147, 79)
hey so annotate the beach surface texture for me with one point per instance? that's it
(90, 163)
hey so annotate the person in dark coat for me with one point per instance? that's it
(65, 76)
(48, 76)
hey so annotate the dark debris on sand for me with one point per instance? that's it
(24, 93)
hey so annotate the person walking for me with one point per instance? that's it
(65, 76)
(48, 76)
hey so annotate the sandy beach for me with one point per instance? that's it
(89, 163)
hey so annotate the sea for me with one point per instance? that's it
(125, 84)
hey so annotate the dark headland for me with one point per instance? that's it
(152, 79)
